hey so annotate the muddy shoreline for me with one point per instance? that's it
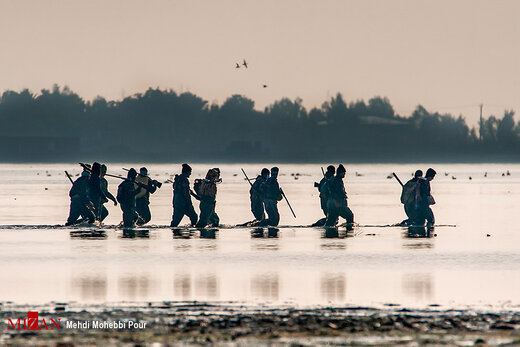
(203, 323)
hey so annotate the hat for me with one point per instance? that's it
(132, 173)
(430, 173)
(186, 168)
(96, 168)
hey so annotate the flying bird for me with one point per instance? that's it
(237, 66)
(264, 85)
(245, 63)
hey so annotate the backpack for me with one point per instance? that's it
(324, 189)
(122, 194)
(197, 186)
(409, 191)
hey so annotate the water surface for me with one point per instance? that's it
(457, 265)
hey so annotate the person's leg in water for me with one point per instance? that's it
(346, 213)
(273, 217)
(104, 213)
(430, 218)
(332, 214)
(214, 220)
(129, 217)
(190, 212)
(257, 207)
(75, 212)
(409, 209)
(205, 213)
(143, 209)
(324, 207)
(179, 211)
(79, 208)
(420, 214)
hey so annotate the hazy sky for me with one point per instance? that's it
(446, 55)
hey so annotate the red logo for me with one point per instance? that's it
(32, 322)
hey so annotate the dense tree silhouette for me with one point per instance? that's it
(161, 125)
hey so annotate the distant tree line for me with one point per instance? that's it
(164, 126)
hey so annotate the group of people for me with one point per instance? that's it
(205, 192)
(90, 192)
(417, 199)
(333, 198)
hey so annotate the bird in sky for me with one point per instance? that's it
(245, 63)
(237, 66)
(264, 85)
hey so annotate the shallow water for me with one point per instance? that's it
(458, 265)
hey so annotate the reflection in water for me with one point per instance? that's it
(333, 233)
(333, 286)
(330, 233)
(266, 285)
(182, 247)
(134, 287)
(418, 285)
(88, 234)
(207, 286)
(272, 232)
(132, 234)
(333, 245)
(419, 232)
(265, 244)
(208, 233)
(182, 286)
(257, 233)
(90, 287)
(181, 233)
(260, 232)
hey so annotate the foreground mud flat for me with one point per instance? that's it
(233, 325)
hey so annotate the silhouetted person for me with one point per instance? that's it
(324, 193)
(424, 199)
(104, 188)
(181, 198)
(272, 194)
(142, 199)
(256, 195)
(337, 204)
(206, 189)
(95, 191)
(80, 204)
(408, 196)
(126, 193)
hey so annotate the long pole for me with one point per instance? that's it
(70, 179)
(138, 173)
(397, 178)
(121, 178)
(157, 183)
(283, 194)
(247, 178)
